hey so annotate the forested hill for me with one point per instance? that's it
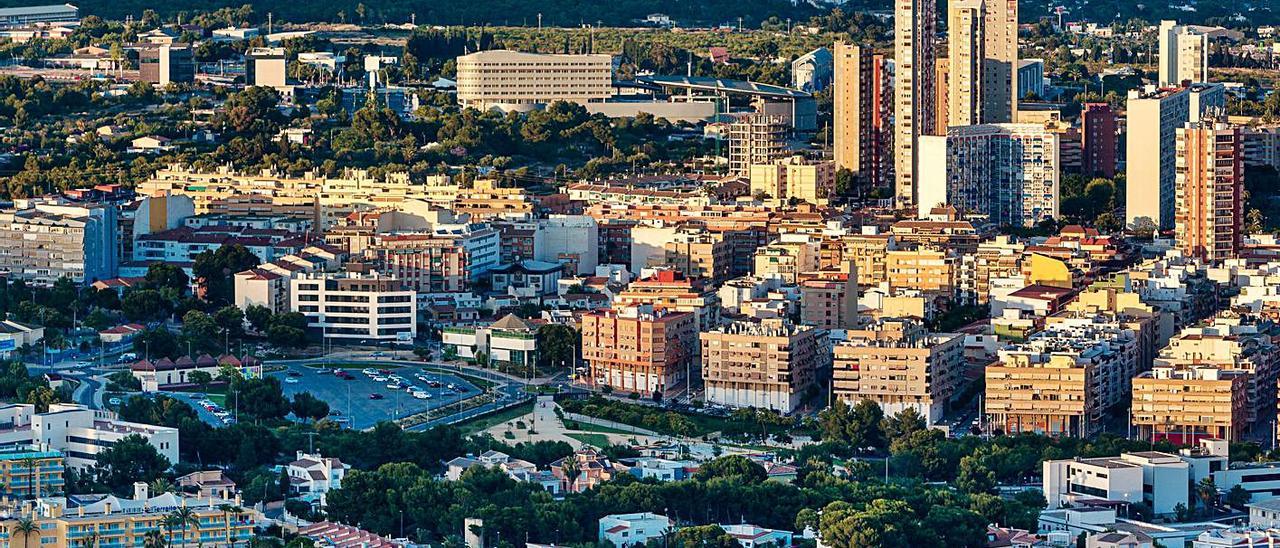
(469, 12)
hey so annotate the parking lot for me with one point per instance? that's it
(351, 398)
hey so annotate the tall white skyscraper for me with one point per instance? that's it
(1184, 54)
(915, 39)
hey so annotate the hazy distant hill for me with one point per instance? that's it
(453, 12)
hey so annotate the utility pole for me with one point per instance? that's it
(269, 23)
(539, 21)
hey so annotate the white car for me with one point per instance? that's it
(221, 414)
(83, 364)
(369, 371)
(291, 380)
(115, 401)
(393, 385)
(379, 378)
(421, 395)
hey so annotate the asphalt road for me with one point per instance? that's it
(351, 397)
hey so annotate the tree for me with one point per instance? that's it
(700, 536)
(42, 397)
(557, 345)
(974, 476)
(306, 406)
(951, 526)
(259, 317)
(903, 424)
(201, 378)
(25, 527)
(1181, 512)
(231, 320)
(200, 332)
(1238, 496)
(1207, 492)
(214, 270)
(153, 539)
(132, 459)
(166, 276)
(185, 516)
(741, 470)
(155, 342)
(858, 426)
(144, 305)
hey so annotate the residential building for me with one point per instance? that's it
(590, 466)
(167, 63)
(627, 530)
(42, 241)
(812, 71)
(928, 270)
(1153, 119)
(915, 44)
(856, 96)
(1233, 343)
(265, 67)
(1209, 190)
(787, 258)
(982, 37)
(640, 349)
(1098, 132)
(261, 287)
(526, 279)
(570, 239)
(356, 306)
(752, 536)
(207, 484)
(794, 178)
(517, 80)
(1184, 54)
(1184, 404)
(1236, 537)
(1008, 172)
(756, 139)
(699, 254)
(79, 432)
(942, 96)
(661, 469)
(31, 472)
(1265, 514)
(312, 476)
(766, 365)
(899, 364)
(68, 522)
(670, 290)
(830, 301)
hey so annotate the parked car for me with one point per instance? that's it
(291, 380)
(375, 396)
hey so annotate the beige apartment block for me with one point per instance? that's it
(899, 365)
(794, 177)
(1153, 119)
(699, 254)
(517, 80)
(1184, 404)
(928, 270)
(766, 365)
(1184, 54)
(672, 291)
(756, 139)
(787, 259)
(640, 350)
(830, 301)
(1032, 392)
(867, 253)
(853, 95)
(982, 37)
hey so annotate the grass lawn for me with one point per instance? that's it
(597, 440)
(540, 389)
(484, 422)
(576, 425)
(220, 399)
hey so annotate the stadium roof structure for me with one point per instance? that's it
(721, 85)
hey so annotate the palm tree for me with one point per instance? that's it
(170, 521)
(1207, 490)
(26, 527)
(153, 539)
(183, 517)
(227, 511)
(91, 540)
(32, 488)
(160, 486)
